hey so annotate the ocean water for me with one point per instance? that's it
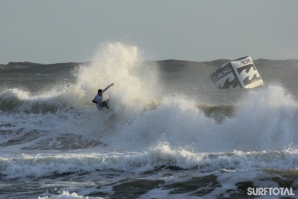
(172, 134)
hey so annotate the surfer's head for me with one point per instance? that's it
(100, 92)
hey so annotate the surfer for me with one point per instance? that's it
(98, 98)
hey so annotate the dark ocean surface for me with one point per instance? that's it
(171, 134)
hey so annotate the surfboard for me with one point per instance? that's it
(108, 115)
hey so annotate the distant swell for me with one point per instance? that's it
(11, 103)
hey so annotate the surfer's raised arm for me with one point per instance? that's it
(112, 84)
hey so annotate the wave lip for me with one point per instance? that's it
(16, 101)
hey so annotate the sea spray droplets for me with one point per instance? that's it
(118, 63)
(255, 125)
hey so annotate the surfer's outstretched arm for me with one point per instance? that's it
(112, 84)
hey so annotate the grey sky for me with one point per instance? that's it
(63, 31)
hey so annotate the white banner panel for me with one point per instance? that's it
(239, 73)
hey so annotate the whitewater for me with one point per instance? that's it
(172, 133)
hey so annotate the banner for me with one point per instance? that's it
(239, 73)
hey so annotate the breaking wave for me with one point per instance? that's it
(148, 129)
(154, 159)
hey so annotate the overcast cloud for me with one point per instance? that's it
(71, 30)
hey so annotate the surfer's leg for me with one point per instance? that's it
(98, 107)
(105, 104)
